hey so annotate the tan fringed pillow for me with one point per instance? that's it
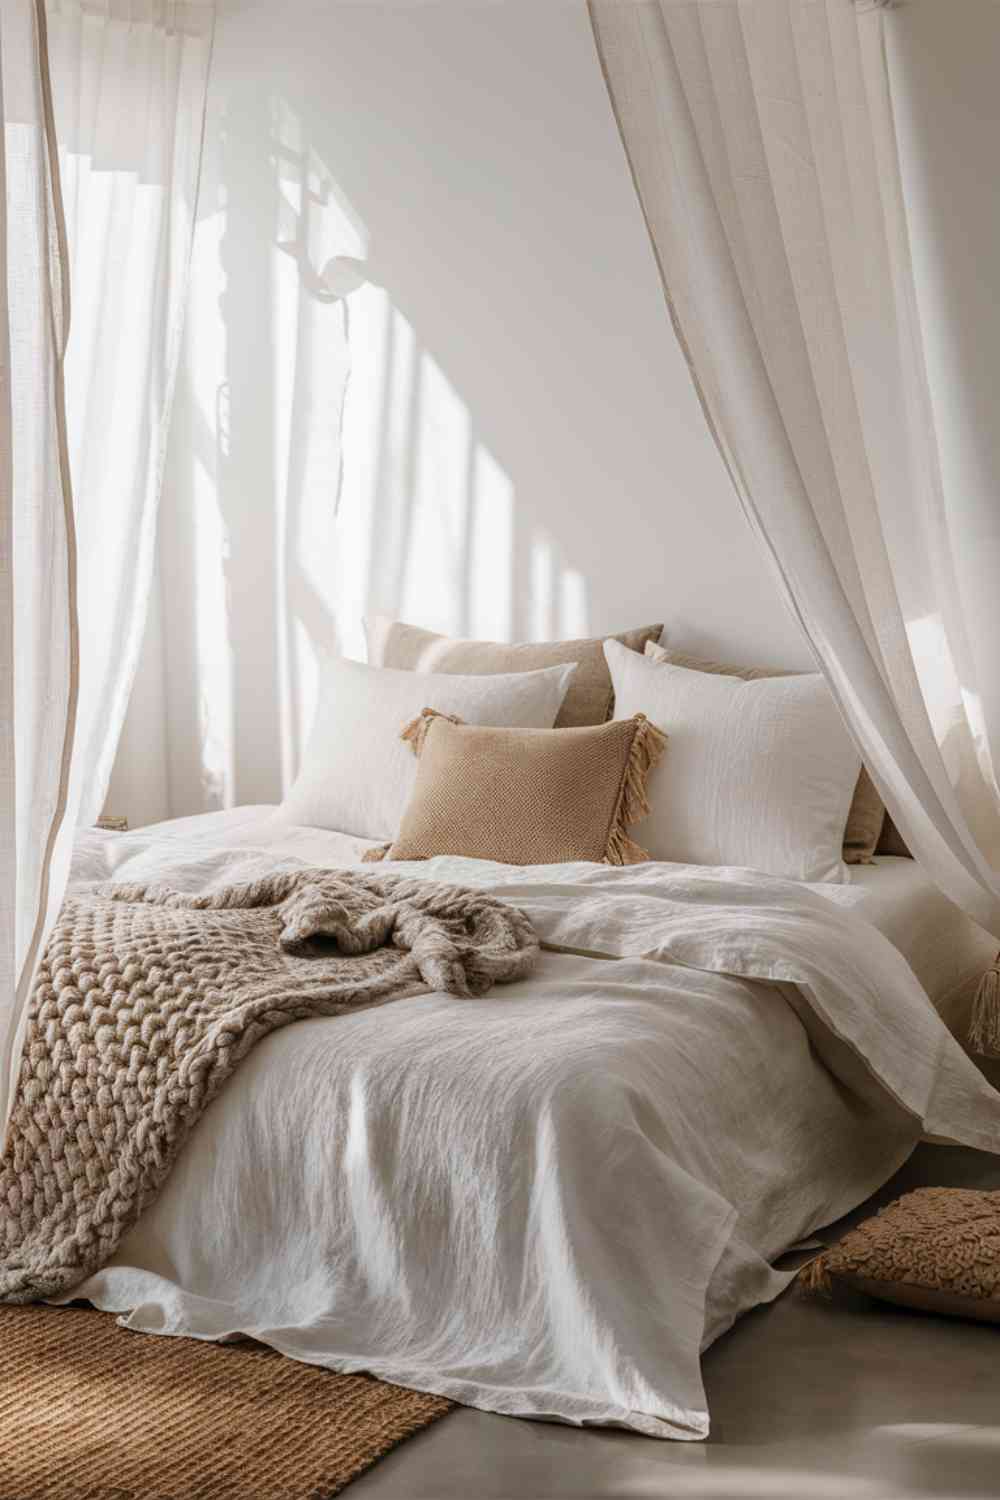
(936, 1249)
(589, 699)
(867, 811)
(527, 796)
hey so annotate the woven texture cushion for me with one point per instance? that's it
(867, 812)
(527, 796)
(936, 1249)
(589, 700)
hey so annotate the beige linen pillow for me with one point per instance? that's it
(936, 1249)
(867, 811)
(527, 796)
(391, 643)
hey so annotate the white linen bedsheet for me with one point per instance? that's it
(546, 1202)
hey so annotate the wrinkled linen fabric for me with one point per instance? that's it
(548, 1205)
(148, 999)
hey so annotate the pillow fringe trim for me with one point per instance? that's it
(648, 745)
(415, 733)
(814, 1279)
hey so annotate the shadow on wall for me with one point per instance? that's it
(523, 454)
(322, 467)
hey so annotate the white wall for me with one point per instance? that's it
(523, 453)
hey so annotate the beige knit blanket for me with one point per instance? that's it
(148, 998)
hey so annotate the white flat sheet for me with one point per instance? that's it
(547, 1201)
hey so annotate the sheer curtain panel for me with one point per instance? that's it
(104, 104)
(129, 81)
(762, 143)
(38, 631)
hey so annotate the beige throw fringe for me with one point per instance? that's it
(984, 1027)
(147, 999)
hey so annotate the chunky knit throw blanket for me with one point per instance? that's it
(148, 998)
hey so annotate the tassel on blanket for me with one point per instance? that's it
(984, 1028)
(647, 747)
(813, 1279)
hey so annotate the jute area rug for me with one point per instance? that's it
(89, 1411)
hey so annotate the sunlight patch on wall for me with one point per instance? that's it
(357, 546)
(558, 602)
(427, 520)
(435, 561)
(301, 390)
(542, 603)
(574, 612)
(312, 360)
(491, 549)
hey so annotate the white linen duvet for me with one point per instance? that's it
(545, 1202)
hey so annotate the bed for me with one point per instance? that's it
(946, 950)
(548, 1201)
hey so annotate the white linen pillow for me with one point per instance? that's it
(757, 773)
(357, 774)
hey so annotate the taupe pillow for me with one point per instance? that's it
(590, 699)
(936, 1249)
(867, 811)
(891, 841)
(528, 796)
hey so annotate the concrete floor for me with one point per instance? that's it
(809, 1401)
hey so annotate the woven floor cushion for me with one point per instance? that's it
(936, 1249)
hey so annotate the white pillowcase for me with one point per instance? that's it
(758, 774)
(357, 775)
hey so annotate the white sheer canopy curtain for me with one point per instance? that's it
(38, 620)
(761, 139)
(129, 80)
(103, 114)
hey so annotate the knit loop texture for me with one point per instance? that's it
(148, 998)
